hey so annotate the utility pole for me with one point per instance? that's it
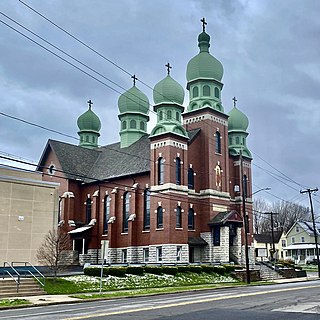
(272, 232)
(314, 224)
(245, 220)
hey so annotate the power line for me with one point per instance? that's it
(91, 69)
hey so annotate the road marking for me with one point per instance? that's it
(170, 305)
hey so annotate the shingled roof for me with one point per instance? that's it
(103, 163)
(75, 161)
(266, 237)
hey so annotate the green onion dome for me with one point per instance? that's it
(89, 121)
(204, 65)
(168, 91)
(237, 121)
(134, 101)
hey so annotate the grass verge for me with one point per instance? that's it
(86, 284)
(12, 302)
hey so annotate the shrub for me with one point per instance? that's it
(208, 269)
(183, 269)
(117, 271)
(220, 270)
(92, 271)
(153, 270)
(229, 267)
(170, 270)
(135, 270)
(195, 269)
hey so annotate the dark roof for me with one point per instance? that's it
(116, 162)
(192, 134)
(100, 163)
(103, 163)
(75, 161)
(266, 237)
(197, 242)
(223, 217)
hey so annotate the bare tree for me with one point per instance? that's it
(286, 214)
(260, 222)
(52, 252)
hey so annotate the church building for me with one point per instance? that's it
(172, 196)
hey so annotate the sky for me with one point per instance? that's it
(269, 50)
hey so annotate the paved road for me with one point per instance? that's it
(286, 301)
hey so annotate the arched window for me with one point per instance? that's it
(169, 114)
(125, 212)
(133, 124)
(245, 186)
(178, 171)
(237, 140)
(87, 138)
(216, 92)
(88, 210)
(160, 171)
(159, 217)
(190, 178)
(124, 125)
(177, 116)
(178, 217)
(191, 219)
(218, 142)
(142, 126)
(160, 115)
(106, 214)
(206, 91)
(146, 210)
(195, 92)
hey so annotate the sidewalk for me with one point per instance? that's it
(59, 299)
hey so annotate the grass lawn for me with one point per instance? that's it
(146, 282)
(12, 302)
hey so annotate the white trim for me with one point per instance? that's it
(169, 142)
(205, 117)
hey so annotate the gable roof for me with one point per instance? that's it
(266, 237)
(114, 162)
(75, 161)
(307, 226)
(223, 217)
(101, 163)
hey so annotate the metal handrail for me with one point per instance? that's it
(17, 281)
(32, 273)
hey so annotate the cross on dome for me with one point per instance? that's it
(204, 23)
(134, 79)
(234, 101)
(90, 103)
(168, 67)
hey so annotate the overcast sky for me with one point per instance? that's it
(269, 50)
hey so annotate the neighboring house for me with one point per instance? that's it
(28, 210)
(301, 242)
(173, 196)
(263, 245)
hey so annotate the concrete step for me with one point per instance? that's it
(27, 287)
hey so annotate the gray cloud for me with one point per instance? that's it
(269, 50)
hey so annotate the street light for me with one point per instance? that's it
(263, 189)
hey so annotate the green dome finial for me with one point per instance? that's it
(89, 126)
(237, 121)
(204, 65)
(168, 90)
(89, 120)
